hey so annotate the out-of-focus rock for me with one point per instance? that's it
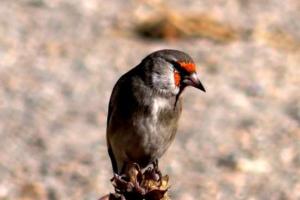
(31, 191)
(172, 25)
(253, 165)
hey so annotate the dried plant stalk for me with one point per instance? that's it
(138, 185)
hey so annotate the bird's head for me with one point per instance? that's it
(170, 71)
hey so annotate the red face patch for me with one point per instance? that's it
(189, 67)
(177, 78)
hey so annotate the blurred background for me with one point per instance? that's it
(59, 60)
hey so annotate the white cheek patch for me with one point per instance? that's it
(172, 82)
(165, 83)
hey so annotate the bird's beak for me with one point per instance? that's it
(193, 80)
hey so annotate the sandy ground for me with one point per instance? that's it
(59, 60)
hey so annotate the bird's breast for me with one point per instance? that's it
(159, 105)
(160, 124)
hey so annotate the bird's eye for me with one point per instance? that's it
(176, 66)
(179, 68)
(175, 70)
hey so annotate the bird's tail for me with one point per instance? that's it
(113, 160)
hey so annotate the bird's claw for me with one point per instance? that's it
(120, 184)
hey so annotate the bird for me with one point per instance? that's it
(145, 106)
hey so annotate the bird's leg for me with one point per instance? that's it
(157, 171)
(155, 164)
